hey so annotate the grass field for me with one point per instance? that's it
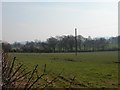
(92, 69)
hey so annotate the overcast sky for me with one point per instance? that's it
(23, 21)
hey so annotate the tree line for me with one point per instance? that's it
(65, 43)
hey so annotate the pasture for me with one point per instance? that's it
(91, 69)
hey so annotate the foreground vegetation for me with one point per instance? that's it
(89, 69)
(16, 76)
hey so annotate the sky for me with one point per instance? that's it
(22, 21)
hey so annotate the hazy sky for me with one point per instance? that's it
(23, 21)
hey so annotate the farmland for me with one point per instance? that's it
(92, 69)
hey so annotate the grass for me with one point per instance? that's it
(92, 69)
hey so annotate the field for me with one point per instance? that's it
(91, 69)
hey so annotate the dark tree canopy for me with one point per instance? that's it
(65, 43)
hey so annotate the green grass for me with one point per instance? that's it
(93, 69)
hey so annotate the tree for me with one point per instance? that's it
(52, 42)
(17, 47)
(59, 45)
(71, 42)
(103, 43)
(6, 47)
(100, 43)
(80, 40)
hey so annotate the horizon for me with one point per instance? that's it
(28, 21)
